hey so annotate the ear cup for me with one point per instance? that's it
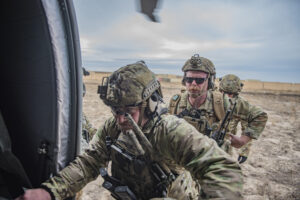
(152, 103)
(211, 84)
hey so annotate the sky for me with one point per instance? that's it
(257, 39)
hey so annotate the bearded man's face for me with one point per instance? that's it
(196, 83)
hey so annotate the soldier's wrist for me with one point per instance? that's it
(248, 133)
(49, 191)
(245, 139)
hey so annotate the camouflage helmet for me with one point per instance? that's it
(197, 63)
(128, 86)
(231, 84)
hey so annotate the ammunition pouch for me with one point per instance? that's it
(196, 118)
(118, 191)
(199, 124)
(162, 177)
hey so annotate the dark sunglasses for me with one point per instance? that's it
(197, 80)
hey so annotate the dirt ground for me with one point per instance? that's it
(272, 170)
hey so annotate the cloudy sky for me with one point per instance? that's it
(257, 39)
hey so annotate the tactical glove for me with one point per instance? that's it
(242, 159)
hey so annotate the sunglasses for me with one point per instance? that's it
(197, 80)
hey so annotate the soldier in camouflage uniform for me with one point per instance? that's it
(141, 138)
(231, 85)
(204, 107)
(88, 131)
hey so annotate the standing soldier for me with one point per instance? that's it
(150, 150)
(204, 107)
(231, 85)
(88, 130)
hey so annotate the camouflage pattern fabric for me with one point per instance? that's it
(231, 84)
(252, 117)
(175, 143)
(245, 112)
(208, 113)
(88, 131)
(130, 85)
(88, 127)
(197, 63)
(232, 128)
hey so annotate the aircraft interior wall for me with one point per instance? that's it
(29, 95)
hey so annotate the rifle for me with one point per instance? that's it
(117, 189)
(163, 178)
(219, 134)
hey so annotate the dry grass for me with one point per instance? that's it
(249, 86)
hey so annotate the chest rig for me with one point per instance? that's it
(197, 118)
(134, 166)
(205, 118)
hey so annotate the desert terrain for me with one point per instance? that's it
(272, 170)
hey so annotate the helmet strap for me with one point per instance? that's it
(183, 79)
(143, 107)
(210, 82)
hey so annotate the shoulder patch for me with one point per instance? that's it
(175, 97)
(218, 103)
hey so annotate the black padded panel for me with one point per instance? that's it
(28, 87)
(28, 99)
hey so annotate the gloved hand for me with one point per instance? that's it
(242, 159)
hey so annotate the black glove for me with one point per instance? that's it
(242, 159)
(86, 135)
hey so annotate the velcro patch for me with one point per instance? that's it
(175, 97)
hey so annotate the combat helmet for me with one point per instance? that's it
(197, 63)
(230, 83)
(132, 85)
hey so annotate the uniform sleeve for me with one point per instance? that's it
(86, 125)
(253, 118)
(219, 175)
(232, 127)
(83, 169)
